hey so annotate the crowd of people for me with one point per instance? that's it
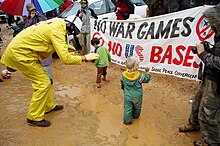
(31, 49)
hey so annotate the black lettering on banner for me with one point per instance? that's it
(175, 28)
(140, 33)
(103, 26)
(148, 31)
(96, 24)
(151, 31)
(167, 71)
(113, 27)
(187, 75)
(130, 29)
(156, 69)
(113, 60)
(187, 26)
(161, 30)
(121, 30)
(100, 25)
(122, 63)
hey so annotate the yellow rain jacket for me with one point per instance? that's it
(39, 42)
(25, 53)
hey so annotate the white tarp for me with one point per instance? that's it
(162, 43)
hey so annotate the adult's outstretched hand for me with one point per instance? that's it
(92, 56)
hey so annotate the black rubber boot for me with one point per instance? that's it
(189, 128)
(56, 108)
(42, 123)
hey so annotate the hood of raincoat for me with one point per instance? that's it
(131, 75)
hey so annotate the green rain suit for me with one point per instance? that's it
(131, 83)
(25, 53)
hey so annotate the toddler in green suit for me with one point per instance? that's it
(131, 83)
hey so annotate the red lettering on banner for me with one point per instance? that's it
(157, 56)
(139, 50)
(179, 53)
(195, 64)
(116, 48)
(188, 57)
(167, 55)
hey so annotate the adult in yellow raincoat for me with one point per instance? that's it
(25, 53)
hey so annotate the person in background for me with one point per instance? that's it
(85, 14)
(10, 19)
(183, 5)
(102, 62)
(131, 83)
(33, 16)
(6, 72)
(65, 5)
(158, 7)
(52, 14)
(122, 10)
(17, 26)
(25, 53)
(205, 113)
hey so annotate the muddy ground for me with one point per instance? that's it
(92, 116)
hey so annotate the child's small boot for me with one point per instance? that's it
(104, 79)
(98, 85)
(127, 123)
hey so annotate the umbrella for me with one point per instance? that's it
(18, 7)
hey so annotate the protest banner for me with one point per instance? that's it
(162, 43)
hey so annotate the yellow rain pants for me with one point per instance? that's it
(28, 49)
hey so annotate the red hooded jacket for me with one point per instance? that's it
(124, 8)
(65, 5)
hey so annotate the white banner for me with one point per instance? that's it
(162, 43)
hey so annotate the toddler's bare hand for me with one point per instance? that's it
(147, 69)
